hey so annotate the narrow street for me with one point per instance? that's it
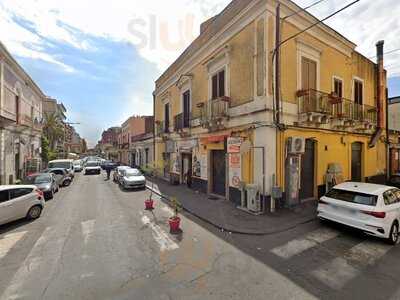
(95, 241)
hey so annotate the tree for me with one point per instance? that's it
(84, 146)
(53, 129)
(45, 149)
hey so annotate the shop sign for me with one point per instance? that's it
(187, 145)
(233, 144)
(235, 169)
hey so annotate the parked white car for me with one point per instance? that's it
(64, 164)
(20, 201)
(92, 167)
(78, 165)
(132, 178)
(372, 208)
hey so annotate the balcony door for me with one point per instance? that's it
(309, 82)
(186, 109)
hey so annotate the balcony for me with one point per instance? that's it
(316, 107)
(181, 122)
(214, 113)
(161, 128)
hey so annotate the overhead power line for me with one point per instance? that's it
(303, 9)
(315, 24)
(386, 53)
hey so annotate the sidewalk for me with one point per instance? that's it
(225, 216)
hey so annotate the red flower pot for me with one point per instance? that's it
(149, 204)
(174, 223)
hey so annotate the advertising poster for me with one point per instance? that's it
(235, 169)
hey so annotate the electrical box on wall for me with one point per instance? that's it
(296, 145)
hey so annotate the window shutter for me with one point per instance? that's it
(221, 83)
(215, 86)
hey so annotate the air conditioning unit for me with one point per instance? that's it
(296, 145)
(253, 198)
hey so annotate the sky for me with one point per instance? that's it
(101, 58)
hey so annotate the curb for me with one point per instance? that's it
(230, 230)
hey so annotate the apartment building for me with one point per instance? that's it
(221, 126)
(21, 120)
(394, 133)
(142, 142)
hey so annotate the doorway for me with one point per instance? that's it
(218, 169)
(356, 165)
(307, 171)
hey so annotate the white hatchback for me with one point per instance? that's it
(372, 208)
(20, 201)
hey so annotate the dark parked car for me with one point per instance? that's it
(46, 182)
(61, 175)
(394, 180)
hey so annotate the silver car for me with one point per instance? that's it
(132, 178)
(46, 182)
(20, 201)
(117, 175)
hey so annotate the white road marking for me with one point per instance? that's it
(40, 263)
(311, 240)
(368, 252)
(8, 241)
(336, 273)
(87, 229)
(165, 242)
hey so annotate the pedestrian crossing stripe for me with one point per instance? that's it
(300, 245)
(8, 241)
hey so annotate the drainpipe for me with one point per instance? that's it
(154, 130)
(380, 95)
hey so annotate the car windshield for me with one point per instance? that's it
(353, 197)
(92, 164)
(132, 172)
(60, 164)
(77, 163)
(37, 179)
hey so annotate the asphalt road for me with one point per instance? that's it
(95, 241)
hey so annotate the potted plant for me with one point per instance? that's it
(149, 203)
(175, 220)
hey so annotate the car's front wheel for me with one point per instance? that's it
(34, 212)
(394, 234)
(49, 195)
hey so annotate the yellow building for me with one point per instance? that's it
(215, 107)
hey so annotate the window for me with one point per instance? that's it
(15, 193)
(391, 196)
(358, 92)
(353, 197)
(186, 109)
(308, 73)
(147, 155)
(3, 196)
(338, 87)
(17, 112)
(166, 117)
(218, 85)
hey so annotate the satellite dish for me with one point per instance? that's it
(245, 147)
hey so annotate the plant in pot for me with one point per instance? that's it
(175, 220)
(149, 203)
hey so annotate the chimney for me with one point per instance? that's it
(380, 84)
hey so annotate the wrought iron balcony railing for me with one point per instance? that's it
(181, 121)
(313, 101)
(215, 109)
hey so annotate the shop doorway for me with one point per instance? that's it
(186, 169)
(218, 169)
(307, 178)
(356, 163)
